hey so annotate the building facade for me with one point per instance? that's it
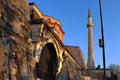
(31, 45)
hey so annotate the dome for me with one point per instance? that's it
(51, 21)
(54, 23)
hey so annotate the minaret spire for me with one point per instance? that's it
(90, 62)
(89, 14)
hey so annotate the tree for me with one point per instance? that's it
(115, 68)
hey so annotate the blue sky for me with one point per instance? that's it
(73, 16)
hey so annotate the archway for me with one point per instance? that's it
(48, 63)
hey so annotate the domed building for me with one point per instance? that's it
(32, 46)
(55, 25)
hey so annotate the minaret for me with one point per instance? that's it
(90, 63)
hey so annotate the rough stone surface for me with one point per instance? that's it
(14, 37)
(16, 48)
(70, 71)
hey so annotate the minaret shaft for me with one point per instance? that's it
(90, 62)
(90, 49)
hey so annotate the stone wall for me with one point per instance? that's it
(14, 39)
(71, 70)
(16, 47)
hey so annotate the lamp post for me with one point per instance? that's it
(101, 41)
